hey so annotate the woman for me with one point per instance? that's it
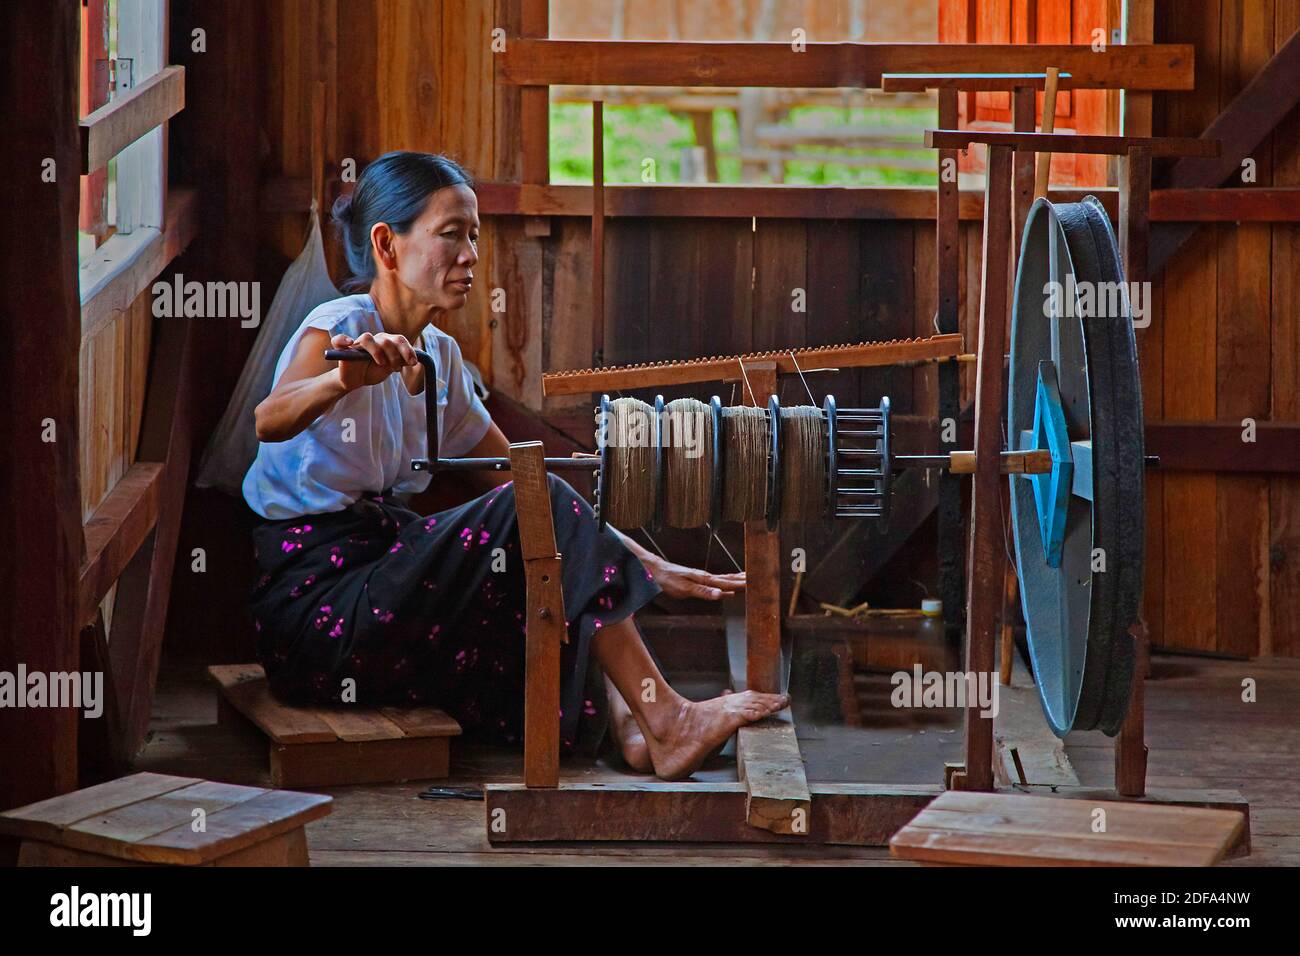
(362, 600)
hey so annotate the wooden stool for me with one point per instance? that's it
(998, 829)
(151, 818)
(335, 746)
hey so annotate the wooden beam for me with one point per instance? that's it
(862, 355)
(1243, 124)
(848, 814)
(987, 547)
(1248, 204)
(103, 302)
(1222, 446)
(545, 627)
(41, 522)
(115, 532)
(145, 586)
(821, 65)
(128, 116)
(768, 761)
(762, 563)
(1072, 142)
(1262, 204)
(972, 82)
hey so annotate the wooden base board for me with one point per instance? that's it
(845, 814)
(715, 812)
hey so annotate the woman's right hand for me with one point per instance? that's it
(390, 353)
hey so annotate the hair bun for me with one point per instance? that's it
(342, 209)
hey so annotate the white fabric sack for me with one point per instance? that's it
(306, 284)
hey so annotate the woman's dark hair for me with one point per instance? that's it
(394, 189)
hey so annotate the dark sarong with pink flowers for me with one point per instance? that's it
(430, 609)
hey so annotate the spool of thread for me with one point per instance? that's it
(630, 436)
(803, 463)
(687, 430)
(745, 450)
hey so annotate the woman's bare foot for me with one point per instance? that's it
(702, 727)
(627, 732)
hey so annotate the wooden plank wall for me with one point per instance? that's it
(398, 74)
(1224, 550)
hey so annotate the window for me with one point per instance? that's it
(123, 44)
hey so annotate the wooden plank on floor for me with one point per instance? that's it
(768, 761)
(1019, 830)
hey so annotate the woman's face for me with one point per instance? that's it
(435, 258)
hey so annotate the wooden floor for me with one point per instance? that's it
(1200, 733)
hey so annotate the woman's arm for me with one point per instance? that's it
(311, 385)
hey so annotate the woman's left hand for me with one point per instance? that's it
(679, 581)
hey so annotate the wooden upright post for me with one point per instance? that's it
(987, 554)
(948, 257)
(762, 567)
(545, 624)
(41, 523)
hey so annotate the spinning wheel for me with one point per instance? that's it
(1075, 391)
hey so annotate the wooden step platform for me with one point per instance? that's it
(998, 829)
(335, 746)
(151, 818)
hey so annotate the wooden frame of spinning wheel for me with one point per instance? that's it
(772, 800)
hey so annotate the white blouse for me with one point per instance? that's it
(365, 443)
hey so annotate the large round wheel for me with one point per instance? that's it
(1075, 389)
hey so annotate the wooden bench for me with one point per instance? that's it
(335, 746)
(150, 818)
(999, 829)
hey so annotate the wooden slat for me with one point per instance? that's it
(1002, 829)
(245, 687)
(128, 116)
(115, 296)
(422, 721)
(728, 369)
(850, 814)
(972, 82)
(48, 818)
(358, 724)
(115, 532)
(821, 65)
(146, 818)
(1218, 446)
(234, 828)
(1255, 204)
(341, 763)
(144, 588)
(1072, 142)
